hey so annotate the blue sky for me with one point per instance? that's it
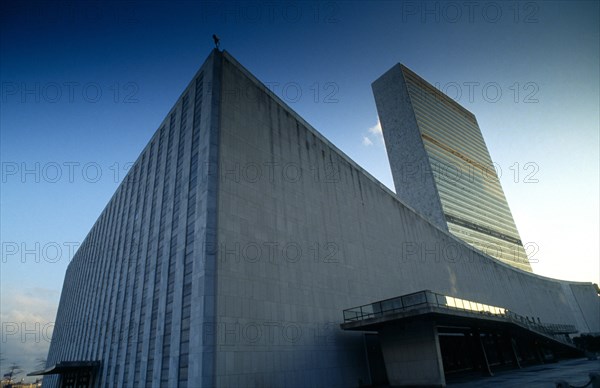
(84, 86)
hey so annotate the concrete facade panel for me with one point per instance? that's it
(229, 252)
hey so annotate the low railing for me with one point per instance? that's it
(559, 328)
(430, 298)
(421, 298)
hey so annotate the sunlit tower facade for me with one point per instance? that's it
(442, 167)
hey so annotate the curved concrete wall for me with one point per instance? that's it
(287, 232)
(283, 185)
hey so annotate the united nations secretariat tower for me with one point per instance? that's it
(244, 249)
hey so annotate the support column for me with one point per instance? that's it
(412, 354)
(499, 348)
(537, 352)
(513, 351)
(483, 361)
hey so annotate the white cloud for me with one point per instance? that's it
(376, 129)
(374, 135)
(27, 317)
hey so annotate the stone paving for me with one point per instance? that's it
(575, 372)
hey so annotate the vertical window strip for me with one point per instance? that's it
(190, 235)
(173, 244)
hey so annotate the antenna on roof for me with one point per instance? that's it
(216, 40)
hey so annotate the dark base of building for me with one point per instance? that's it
(424, 339)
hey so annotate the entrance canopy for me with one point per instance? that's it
(65, 367)
(449, 310)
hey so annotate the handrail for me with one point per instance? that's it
(430, 298)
